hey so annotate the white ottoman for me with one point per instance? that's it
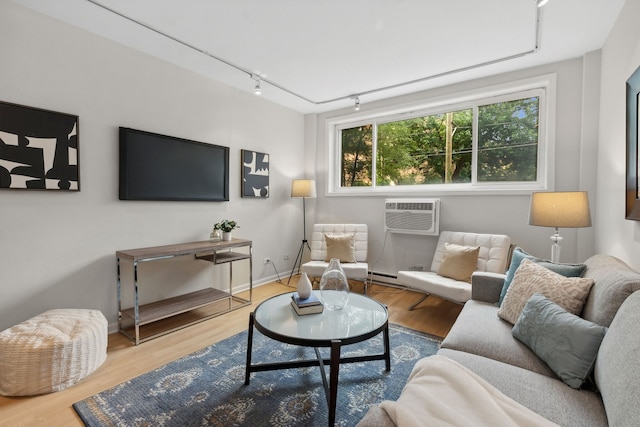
(51, 351)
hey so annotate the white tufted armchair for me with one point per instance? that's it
(493, 256)
(353, 270)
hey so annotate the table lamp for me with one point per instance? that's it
(567, 209)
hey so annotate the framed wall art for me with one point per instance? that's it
(255, 174)
(38, 149)
(633, 190)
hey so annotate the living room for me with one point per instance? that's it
(79, 232)
(60, 247)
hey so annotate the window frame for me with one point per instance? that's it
(543, 86)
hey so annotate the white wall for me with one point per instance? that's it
(58, 249)
(575, 149)
(620, 58)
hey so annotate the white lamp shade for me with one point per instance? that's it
(303, 188)
(562, 209)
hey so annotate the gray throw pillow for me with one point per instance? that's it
(567, 343)
(567, 270)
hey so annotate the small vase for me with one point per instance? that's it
(216, 235)
(334, 287)
(304, 286)
(226, 236)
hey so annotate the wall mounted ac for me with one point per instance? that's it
(412, 216)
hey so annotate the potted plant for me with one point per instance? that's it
(226, 226)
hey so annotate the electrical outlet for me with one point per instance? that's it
(286, 257)
(266, 260)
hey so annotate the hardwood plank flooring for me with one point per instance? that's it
(125, 361)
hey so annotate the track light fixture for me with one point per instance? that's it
(257, 88)
(273, 84)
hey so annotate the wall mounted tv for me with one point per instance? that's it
(160, 167)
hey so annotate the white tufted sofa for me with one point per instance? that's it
(355, 270)
(493, 257)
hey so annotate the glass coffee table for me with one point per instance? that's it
(361, 319)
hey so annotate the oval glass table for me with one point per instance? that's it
(361, 319)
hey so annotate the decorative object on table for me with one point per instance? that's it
(334, 287)
(226, 226)
(255, 174)
(309, 305)
(567, 209)
(632, 199)
(211, 393)
(302, 188)
(216, 235)
(39, 149)
(304, 286)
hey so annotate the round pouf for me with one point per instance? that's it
(51, 351)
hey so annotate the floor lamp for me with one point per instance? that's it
(567, 209)
(305, 189)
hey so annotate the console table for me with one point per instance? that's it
(214, 252)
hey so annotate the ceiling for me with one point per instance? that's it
(318, 55)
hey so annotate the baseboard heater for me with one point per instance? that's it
(384, 278)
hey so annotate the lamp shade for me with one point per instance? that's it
(561, 209)
(303, 188)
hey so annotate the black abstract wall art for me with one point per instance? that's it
(255, 174)
(38, 149)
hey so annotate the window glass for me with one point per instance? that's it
(508, 140)
(357, 146)
(493, 142)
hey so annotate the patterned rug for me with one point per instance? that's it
(206, 388)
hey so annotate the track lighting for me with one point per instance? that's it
(541, 3)
(257, 89)
(357, 106)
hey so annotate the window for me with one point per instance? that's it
(491, 142)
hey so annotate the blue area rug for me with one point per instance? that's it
(206, 388)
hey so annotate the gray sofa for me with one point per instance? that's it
(483, 343)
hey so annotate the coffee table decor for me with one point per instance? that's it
(207, 387)
(334, 287)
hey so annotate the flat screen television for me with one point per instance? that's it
(160, 167)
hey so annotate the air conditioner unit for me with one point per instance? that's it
(412, 216)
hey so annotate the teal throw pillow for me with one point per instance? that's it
(567, 270)
(568, 344)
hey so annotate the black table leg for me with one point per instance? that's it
(333, 380)
(387, 351)
(249, 345)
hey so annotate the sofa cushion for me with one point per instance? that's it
(566, 342)
(567, 270)
(458, 261)
(614, 282)
(546, 396)
(568, 292)
(478, 330)
(341, 247)
(617, 371)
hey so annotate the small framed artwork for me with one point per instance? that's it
(38, 149)
(255, 174)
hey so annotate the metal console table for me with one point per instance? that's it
(214, 252)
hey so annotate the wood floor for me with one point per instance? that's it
(125, 361)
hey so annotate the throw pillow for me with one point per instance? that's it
(567, 270)
(569, 293)
(341, 246)
(564, 341)
(459, 262)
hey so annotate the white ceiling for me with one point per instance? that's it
(325, 52)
